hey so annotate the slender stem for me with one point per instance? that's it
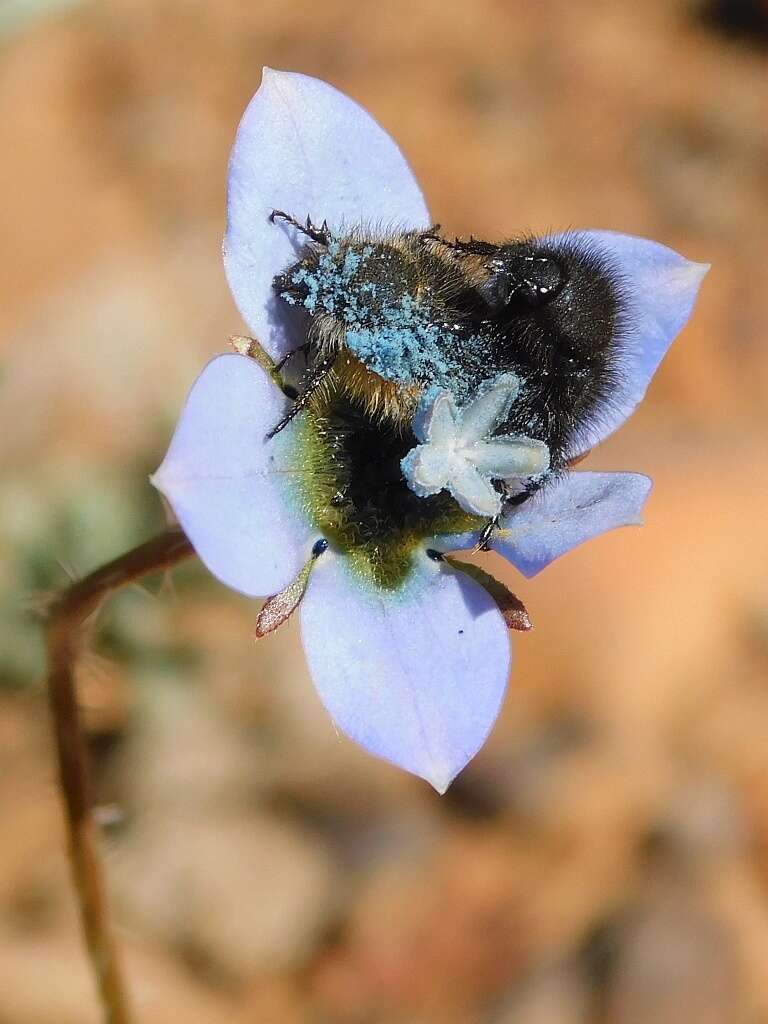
(65, 630)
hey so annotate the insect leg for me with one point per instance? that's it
(300, 349)
(472, 247)
(321, 235)
(431, 234)
(310, 383)
(508, 501)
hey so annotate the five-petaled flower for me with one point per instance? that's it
(409, 654)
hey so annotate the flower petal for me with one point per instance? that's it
(305, 148)
(508, 456)
(435, 419)
(659, 287)
(417, 676)
(473, 492)
(228, 486)
(575, 508)
(426, 469)
(482, 416)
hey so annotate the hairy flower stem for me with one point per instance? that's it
(67, 617)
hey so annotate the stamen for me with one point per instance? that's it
(511, 607)
(278, 609)
(246, 346)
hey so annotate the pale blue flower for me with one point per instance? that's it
(409, 655)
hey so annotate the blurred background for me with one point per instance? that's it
(604, 860)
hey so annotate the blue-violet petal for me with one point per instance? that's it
(228, 486)
(305, 148)
(417, 676)
(569, 511)
(658, 289)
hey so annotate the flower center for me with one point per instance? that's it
(352, 487)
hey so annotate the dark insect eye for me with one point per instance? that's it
(521, 282)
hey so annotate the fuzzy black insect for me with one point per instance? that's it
(391, 315)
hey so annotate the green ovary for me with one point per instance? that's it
(351, 487)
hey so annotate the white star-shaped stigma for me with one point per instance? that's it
(459, 453)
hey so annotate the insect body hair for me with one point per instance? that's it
(383, 309)
(395, 313)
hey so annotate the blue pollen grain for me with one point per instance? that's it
(330, 285)
(393, 333)
(403, 345)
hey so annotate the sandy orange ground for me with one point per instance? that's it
(605, 859)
